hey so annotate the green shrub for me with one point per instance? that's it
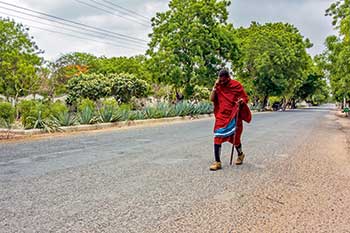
(163, 92)
(137, 104)
(24, 108)
(92, 86)
(201, 93)
(273, 99)
(125, 86)
(86, 103)
(125, 107)
(7, 114)
(39, 121)
(58, 108)
(30, 111)
(95, 86)
(110, 102)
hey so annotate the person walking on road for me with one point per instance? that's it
(230, 109)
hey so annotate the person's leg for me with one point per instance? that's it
(238, 133)
(238, 144)
(217, 152)
(239, 149)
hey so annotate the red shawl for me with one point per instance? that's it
(226, 106)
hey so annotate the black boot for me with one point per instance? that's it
(217, 164)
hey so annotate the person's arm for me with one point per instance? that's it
(213, 95)
(243, 96)
(213, 92)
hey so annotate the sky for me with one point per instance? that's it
(132, 29)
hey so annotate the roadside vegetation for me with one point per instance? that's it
(174, 77)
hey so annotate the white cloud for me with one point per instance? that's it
(307, 15)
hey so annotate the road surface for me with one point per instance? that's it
(296, 178)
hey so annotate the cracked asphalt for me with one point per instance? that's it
(296, 178)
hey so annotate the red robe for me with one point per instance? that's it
(226, 108)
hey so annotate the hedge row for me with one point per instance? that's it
(52, 116)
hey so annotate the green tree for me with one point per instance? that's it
(190, 42)
(66, 67)
(336, 58)
(314, 88)
(336, 63)
(19, 60)
(136, 66)
(340, 12)
(274, 60)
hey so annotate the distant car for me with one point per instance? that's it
(276, 106)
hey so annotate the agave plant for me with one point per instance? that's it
(208, 108)
(65, 119)
(135, 115)
(203, 108)
(106, 114)
(120, 115)
(184, 108)
(38, 122)
(166, 110)
(5, 123)
(196, 109)
(87, 116)
(152, 113)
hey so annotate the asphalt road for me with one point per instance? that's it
(296, 178)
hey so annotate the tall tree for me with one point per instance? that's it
(68, 66)
(136, 66)
(19, 60)
(337, 55)
(190, 42)
(314, 88)
(274, 60)
(340, 12)
(336, 62)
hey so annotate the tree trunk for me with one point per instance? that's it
(15, 103)
(293, 103)
(179, 97)
(284, 104)
(256, 101)
(266, 98)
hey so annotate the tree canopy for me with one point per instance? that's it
(274, 60)
(336, 58)
(19, 60)
(190, 42)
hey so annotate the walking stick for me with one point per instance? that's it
(233, 150)
(234, 137)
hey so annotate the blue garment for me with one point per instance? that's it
(227, 131)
